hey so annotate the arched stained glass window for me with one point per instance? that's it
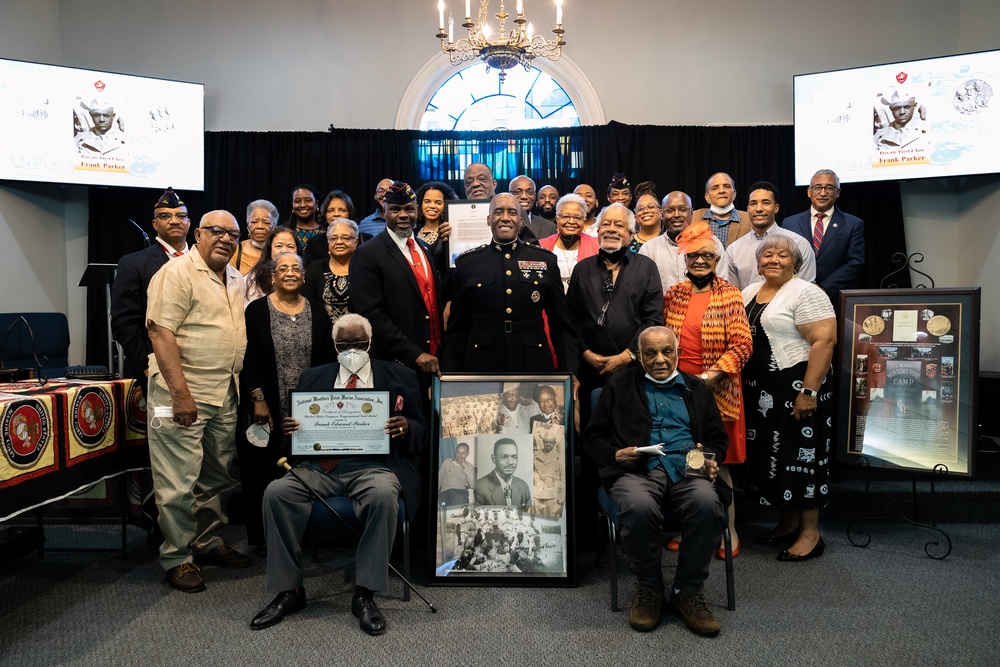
(474, 99)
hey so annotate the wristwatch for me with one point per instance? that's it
(257, 398)
(808, 392)
(631, 354)
(704, 376)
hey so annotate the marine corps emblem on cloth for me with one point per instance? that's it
(25, 432)
(90, 414)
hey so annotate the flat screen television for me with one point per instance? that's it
(68, 125)
(918, 119)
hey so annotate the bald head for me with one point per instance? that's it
(676, 209)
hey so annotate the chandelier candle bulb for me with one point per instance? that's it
(451, 29)
(468, 12)
(558, 11)
(441, 13)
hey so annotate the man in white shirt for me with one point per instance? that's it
(677, 215)
(762, 207)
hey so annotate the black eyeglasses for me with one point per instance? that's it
(217, 232)
(167, 217)
(352, 345)
(609, 287)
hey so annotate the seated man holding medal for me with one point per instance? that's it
(373, 481)
(657, 436)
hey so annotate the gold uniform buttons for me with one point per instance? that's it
(508, 272)
(510, 291)
(509, 311)
(506, 255)
(479, 284)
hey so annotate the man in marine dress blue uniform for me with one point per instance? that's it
(501, 291)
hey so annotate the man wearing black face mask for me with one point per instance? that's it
(613, 295)
(501, 290)
(375, 482)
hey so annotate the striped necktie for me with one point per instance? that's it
(818, 232)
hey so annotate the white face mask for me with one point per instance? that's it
(353, 360)
(722, 210)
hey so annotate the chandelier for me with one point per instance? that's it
(518, 46)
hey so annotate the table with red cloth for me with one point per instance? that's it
(63, 436)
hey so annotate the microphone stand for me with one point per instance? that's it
(141, 231)
(283, 463)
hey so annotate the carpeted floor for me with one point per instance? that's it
(884, 605)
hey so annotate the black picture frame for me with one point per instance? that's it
(477, 539)
(909, 366)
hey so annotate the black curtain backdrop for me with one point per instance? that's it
(243, 166)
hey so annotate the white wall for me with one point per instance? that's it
(304, 64)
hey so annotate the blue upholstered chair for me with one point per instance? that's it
(321, 518)
(39, 339)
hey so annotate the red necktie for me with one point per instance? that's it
(328, 463)
(174, 253)
(425, 281)
(818, 232)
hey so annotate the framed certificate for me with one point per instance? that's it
(340, 423)
(908, 378)
(502, 481)
(469, 220)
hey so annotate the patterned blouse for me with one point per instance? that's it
(725, 337)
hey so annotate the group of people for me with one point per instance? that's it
(698, 327)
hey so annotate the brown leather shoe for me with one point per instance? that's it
(645, 612)
(223, 556)
(186, 577)
(696, 614)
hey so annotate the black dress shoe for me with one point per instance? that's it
(364, 607)
(817, 551)
(787, 538)
(283, 604)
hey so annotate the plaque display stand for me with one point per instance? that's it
(894, 508)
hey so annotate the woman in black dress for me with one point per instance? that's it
(794, 330)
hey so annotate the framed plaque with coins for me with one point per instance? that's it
(908, 378)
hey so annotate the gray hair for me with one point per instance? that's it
(630, 216)
(709, 181)
(783, 241)
(347, 223)
(571, 198)
(527, 178)
(271, 209)
(826, 172)
(352, 320)
(648, 331)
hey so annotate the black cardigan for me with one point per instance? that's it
(260, 369)
(622, 419)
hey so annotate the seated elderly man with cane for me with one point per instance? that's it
(373, 482)
(657, 436)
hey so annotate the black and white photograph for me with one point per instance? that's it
(502, 486)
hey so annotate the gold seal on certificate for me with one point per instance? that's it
(873, 325)
(340, 423)
(938, 325)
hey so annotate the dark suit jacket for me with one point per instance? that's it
(128, 306)
(489, 491)
(404, 453)
(842, 255)
(622, 419)
(735, 231)
(384, 290)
